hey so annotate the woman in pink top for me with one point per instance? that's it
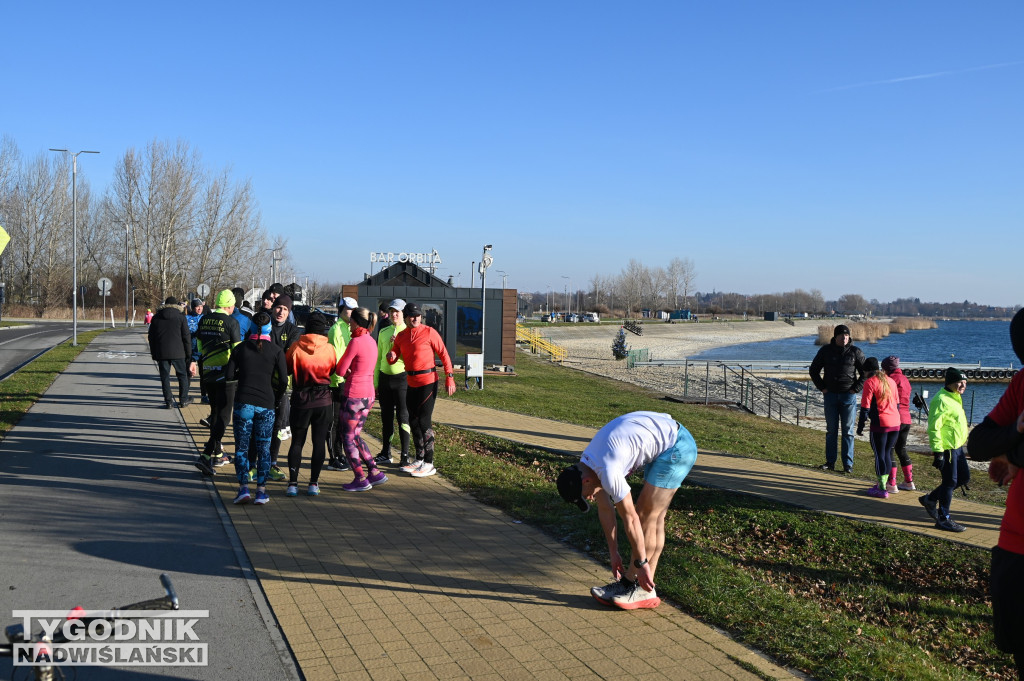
(356, 367)
(879, 401)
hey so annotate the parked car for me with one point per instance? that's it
(302, 313)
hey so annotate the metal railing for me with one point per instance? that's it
(539, 343)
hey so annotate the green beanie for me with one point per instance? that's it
(225, 298)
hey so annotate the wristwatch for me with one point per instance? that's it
(640, 563)
(450, 375)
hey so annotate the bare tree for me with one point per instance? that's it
(681, 275)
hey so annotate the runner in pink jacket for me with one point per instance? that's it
(891, 366)
(879, 401)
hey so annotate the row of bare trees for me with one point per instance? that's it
(180, 223)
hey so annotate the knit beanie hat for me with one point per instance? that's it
(316, 323)
(870, 365)
(1017, 334)
(840, 330)
(891, 364)
(284, 300)
(225, 298)
(953, 375)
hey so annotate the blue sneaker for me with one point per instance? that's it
(313, 490)
(292, 491)
(243, 496)
(261, 498)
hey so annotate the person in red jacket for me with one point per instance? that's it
(878, 401)
(357, 394)
(416, 346)
(311, 361)
(891, 366)
(999, 439)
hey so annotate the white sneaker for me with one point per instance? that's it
(284, 433)
(636, 597)
(605, 594)
(424, 471)
(411, 466)
(907, 486)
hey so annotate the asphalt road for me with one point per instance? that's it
(20, 344)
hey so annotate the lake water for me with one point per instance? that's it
(957, 343)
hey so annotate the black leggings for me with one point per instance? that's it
(1008, 602)
(420, 402)
(222, 402)
(301, 420)
(901, 445)
(391, 393)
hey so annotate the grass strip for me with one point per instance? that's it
(24, 388)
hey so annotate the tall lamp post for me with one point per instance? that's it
(74, 240)
(485, 262)
(568, 303)
(504, 279)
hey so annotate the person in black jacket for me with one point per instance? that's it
(259, 367)
(843, 366)
(283, 332)
(170, 345)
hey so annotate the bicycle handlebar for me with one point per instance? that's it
(169, 601)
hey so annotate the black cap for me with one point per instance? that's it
(870, 365)
(171, 300)
(316, 323)
(570, 487)
(412, 310)
(954, 375)
(840, 330)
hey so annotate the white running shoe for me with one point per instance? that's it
(411, 466)
(284, 433)
(424, 471)
(636, 597)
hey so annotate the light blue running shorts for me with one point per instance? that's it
(673, 465)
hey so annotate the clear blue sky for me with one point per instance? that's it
(868, 147)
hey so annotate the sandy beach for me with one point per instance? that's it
(589, 348)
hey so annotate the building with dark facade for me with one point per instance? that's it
(456, 313)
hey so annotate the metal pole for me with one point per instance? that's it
(74, 251)
(126, 228)
(483, 317)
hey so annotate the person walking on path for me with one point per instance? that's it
(356, 367)
(392, 386)
(170, 345)
(217, 335)
(666, 452)
(999, 439)
(891, 366)
(310, 362)
(416, 346)
(338, 336)
(198, 307)
(947, 434)
(149, 317)
(878, 402)
(843, 367)
(259, 366)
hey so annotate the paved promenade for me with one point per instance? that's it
(413, 580)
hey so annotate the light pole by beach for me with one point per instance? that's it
(74, 240)
(485, 262)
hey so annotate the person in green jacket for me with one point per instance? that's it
(947, 434)
(389, 381)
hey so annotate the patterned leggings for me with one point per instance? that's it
(351, 419)
(255, 424)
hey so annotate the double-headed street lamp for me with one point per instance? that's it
(485, 262)
(74, 240)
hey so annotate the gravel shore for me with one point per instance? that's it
(589, 347)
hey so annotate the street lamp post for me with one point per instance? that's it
(504, 279)
(568, 285)
(127, 227)
(74, 240)
(485, 262)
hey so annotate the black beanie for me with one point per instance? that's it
(1017, 334)
(870, 365)
(283, 300)
(316, 323)
(953, 375)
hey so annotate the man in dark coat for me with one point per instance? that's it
(170, 345)
(843, 366)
